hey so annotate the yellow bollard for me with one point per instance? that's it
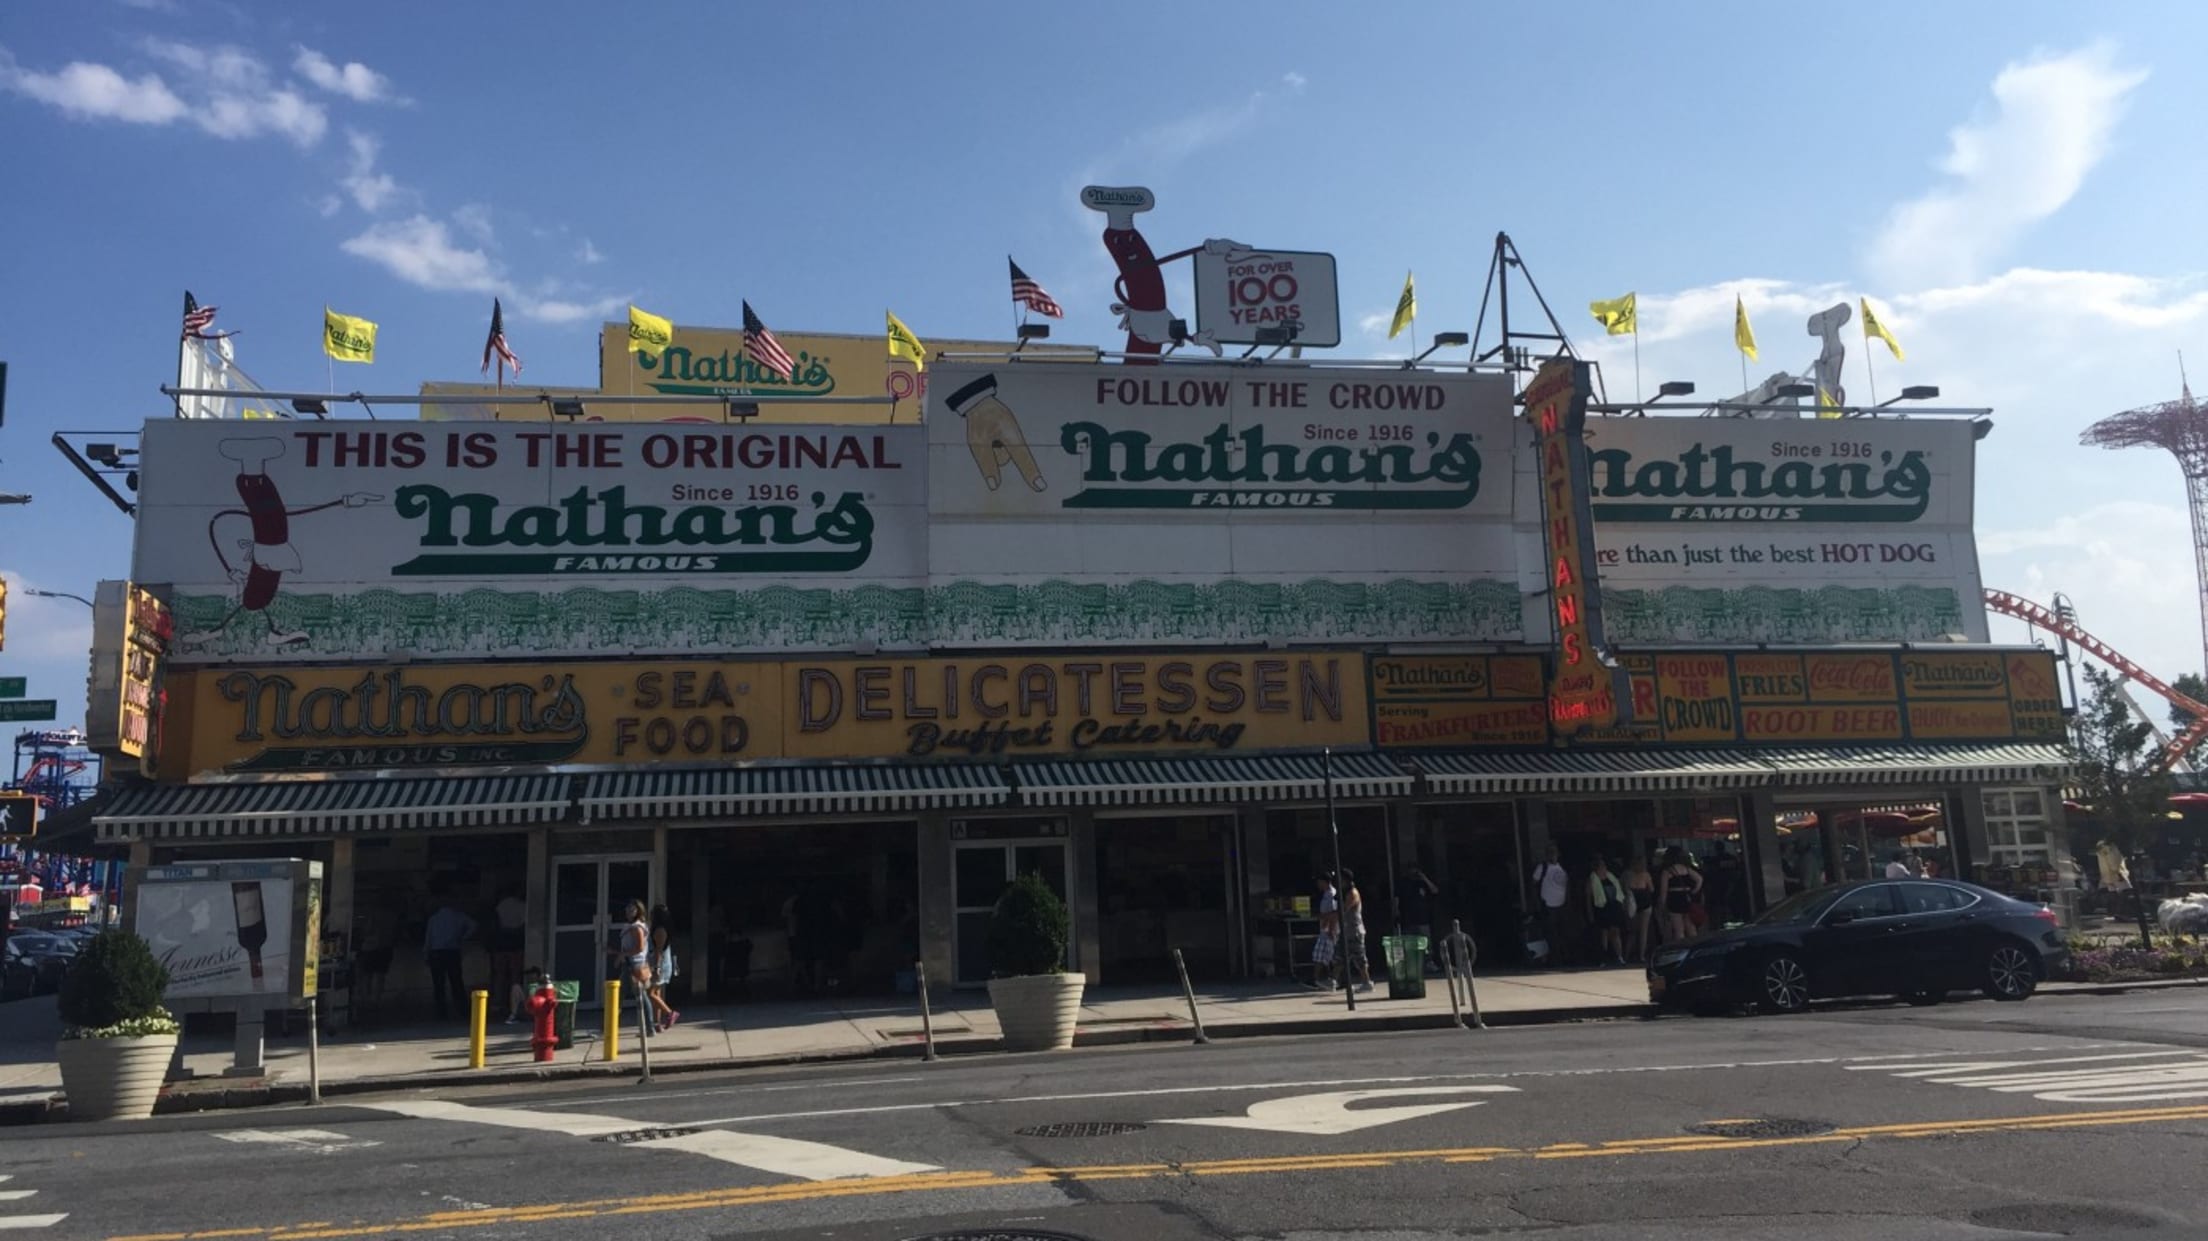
(613, 1018)
(479, 1020)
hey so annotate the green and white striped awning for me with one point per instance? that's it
(712, 792)
(1922, 764)
(1590, 771)
(290, 808)
(1214, 781)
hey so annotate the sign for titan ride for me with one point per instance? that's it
(1588, 688)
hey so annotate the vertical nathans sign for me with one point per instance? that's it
(1589, 689)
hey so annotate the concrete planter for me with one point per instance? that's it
(1037, 1011)
(114, 1078)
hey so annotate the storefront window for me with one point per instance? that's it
(1161, 884)
(2017, 828)
(822, 907)
(1472, 852)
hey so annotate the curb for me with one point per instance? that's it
(264, 1093)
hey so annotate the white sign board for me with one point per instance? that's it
(1238, 295)
(1789, 532)
(228, 930)
(358, 540)
(1093, 504)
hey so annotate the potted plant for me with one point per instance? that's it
(116, 1039)
(1036, 999)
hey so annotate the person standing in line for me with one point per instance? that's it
(1353, 932)
(507, 938)
(443, 941)
(1328, 943)
(1641, 886)
(1676, 889)
(1608, 908)
(1555, 887)
(1415, 911)
(632, 949)
(1899, 868)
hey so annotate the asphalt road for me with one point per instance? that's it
(2073, 1116)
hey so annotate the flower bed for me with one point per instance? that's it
(2100, 962)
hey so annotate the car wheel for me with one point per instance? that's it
(1924, 999)
(1782, 985)
(2011, 973)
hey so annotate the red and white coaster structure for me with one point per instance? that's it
(2176, 749)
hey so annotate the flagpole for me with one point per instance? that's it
(1636, 360)
(1870, 365)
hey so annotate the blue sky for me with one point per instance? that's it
(2016, 184)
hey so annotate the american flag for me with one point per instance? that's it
(1026, 292)
(197, 318)
(764, 348)
(497, 341)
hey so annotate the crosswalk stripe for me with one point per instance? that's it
(2123, 1077)
(32, 1221)
(812, 1161)
(15, 1195)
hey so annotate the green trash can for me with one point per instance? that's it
(563, 1017)
(1406, 958)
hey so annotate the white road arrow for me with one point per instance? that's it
(1329, 1114)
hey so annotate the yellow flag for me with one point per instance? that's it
(648, 333)
(903, 344)
(346, 338)
(1743, 335)
(1873, 328)
(1827, 407)
(1620, 316)
(1406, 308)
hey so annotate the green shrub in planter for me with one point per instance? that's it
(1028, 930)
(113, 990)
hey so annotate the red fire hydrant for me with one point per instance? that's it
(543, 1006)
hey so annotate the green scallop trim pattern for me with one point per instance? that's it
(495, 623)
(1790, 617)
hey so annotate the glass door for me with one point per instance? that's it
(980, 873)
(588, 895)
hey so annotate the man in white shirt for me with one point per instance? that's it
(1555, 887)
(1900, 868)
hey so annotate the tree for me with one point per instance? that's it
(2193, 686)
(2120, 773)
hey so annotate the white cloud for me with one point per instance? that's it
(95, 92)
(152, 6)
(475, 220)
(2052, 121)
(370, 189)
(353, 80)
(588, 253)
(1294, 81)
(421, 251)
(223, 90)
(555, 310)
(329, 205)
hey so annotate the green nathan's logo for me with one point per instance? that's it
(598, 532)
(679, 369)
(1240, 469)
(1712, 484)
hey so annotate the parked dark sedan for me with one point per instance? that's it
(1915, 938)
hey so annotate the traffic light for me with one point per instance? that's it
(18, 816)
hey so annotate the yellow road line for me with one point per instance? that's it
(931, 1182)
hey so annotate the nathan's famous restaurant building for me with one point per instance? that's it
(822, 687)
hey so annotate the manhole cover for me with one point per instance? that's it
(1070, 1129)
(1768, 1127)
(627, 1136)
(999, 1234)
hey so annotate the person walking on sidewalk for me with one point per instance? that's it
(443, 940)
(1641, 886)
(663, 974)
(1555, 887)
(1327, 945)
(1677, 890)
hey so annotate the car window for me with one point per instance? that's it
(1799, 909)
(1933, 898)
(1875, 901)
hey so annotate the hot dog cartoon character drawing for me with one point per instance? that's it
(265, 551)
(1141, 284)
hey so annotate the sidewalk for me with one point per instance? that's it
(796, 1031)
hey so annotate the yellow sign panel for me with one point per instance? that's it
(1459, 700)
(452, 715)
(1694, 697)
(1850, 677)
(711, 362)
(1160, 705)
(1821, 722)
(1935, 721)
(1953, 674)
(319, 719)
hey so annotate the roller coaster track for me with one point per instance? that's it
(2046, 618)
